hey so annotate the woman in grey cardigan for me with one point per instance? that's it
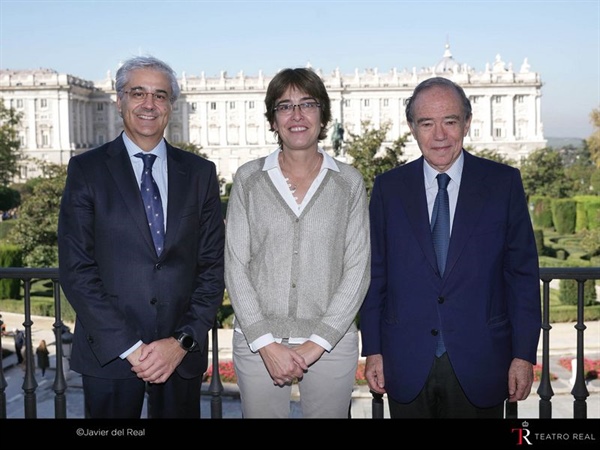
(297, 261)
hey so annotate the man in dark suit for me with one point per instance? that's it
(146, 289)
(453, 340)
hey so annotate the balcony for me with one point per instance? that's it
(215, 390)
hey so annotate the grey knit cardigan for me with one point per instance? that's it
(297, 276)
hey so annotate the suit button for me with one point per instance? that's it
(153, 301)
(440, 300)
(434, 332)
(158, 266)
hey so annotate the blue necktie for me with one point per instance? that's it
(152, 202)
(440, 222)
(440, 231)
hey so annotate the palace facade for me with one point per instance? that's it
(63, 115)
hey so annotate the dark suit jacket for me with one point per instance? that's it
(488, 302)
(120, 289)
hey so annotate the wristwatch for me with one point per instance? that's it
(186, 341)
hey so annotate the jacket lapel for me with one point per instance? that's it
(178, 187)
(121, 171)
(415, 204)
(471, 200)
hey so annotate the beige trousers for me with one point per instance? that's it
(325, 390)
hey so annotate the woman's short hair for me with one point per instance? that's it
(304, 80)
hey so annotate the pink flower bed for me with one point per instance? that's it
(591, 367)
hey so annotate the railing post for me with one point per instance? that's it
(511, 410)
(579, 390)
(60, 384)
(29, 383)
(216, 386)
(545, 388)
(377, 405)
(3, 383)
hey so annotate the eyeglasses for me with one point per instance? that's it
(285, 109)
(138, 95)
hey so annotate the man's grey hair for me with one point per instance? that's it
(146, 62)
(441, 82)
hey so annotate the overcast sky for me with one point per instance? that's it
(560, 39)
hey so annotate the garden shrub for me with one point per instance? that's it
(5, 227)
(10, 256)
(538, 234)
(563, 215)
(569, 288)
(541, 211)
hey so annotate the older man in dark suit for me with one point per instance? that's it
(142, 269)
(450, 331)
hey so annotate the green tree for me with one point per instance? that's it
(37, 223)
(365, 152)
(593, 142)
(543, 173)
(191, 147)
(9, 144)
(494, 156)
(579, 169)
(197, 150)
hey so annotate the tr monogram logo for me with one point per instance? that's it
(522, 434)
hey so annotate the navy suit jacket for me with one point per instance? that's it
(110, 273)
(487, 303)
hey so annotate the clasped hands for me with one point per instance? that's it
(287, 364)
(155, 362)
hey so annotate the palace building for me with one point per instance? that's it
(63, 115)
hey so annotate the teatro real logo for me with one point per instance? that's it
(522, 434)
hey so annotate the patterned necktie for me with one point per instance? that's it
(152, 202)
(440, 232)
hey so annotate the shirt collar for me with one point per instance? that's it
(454, 172)
(160, 150)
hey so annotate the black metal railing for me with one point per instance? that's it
(545, 391)
(579, 391)
(30, 385)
